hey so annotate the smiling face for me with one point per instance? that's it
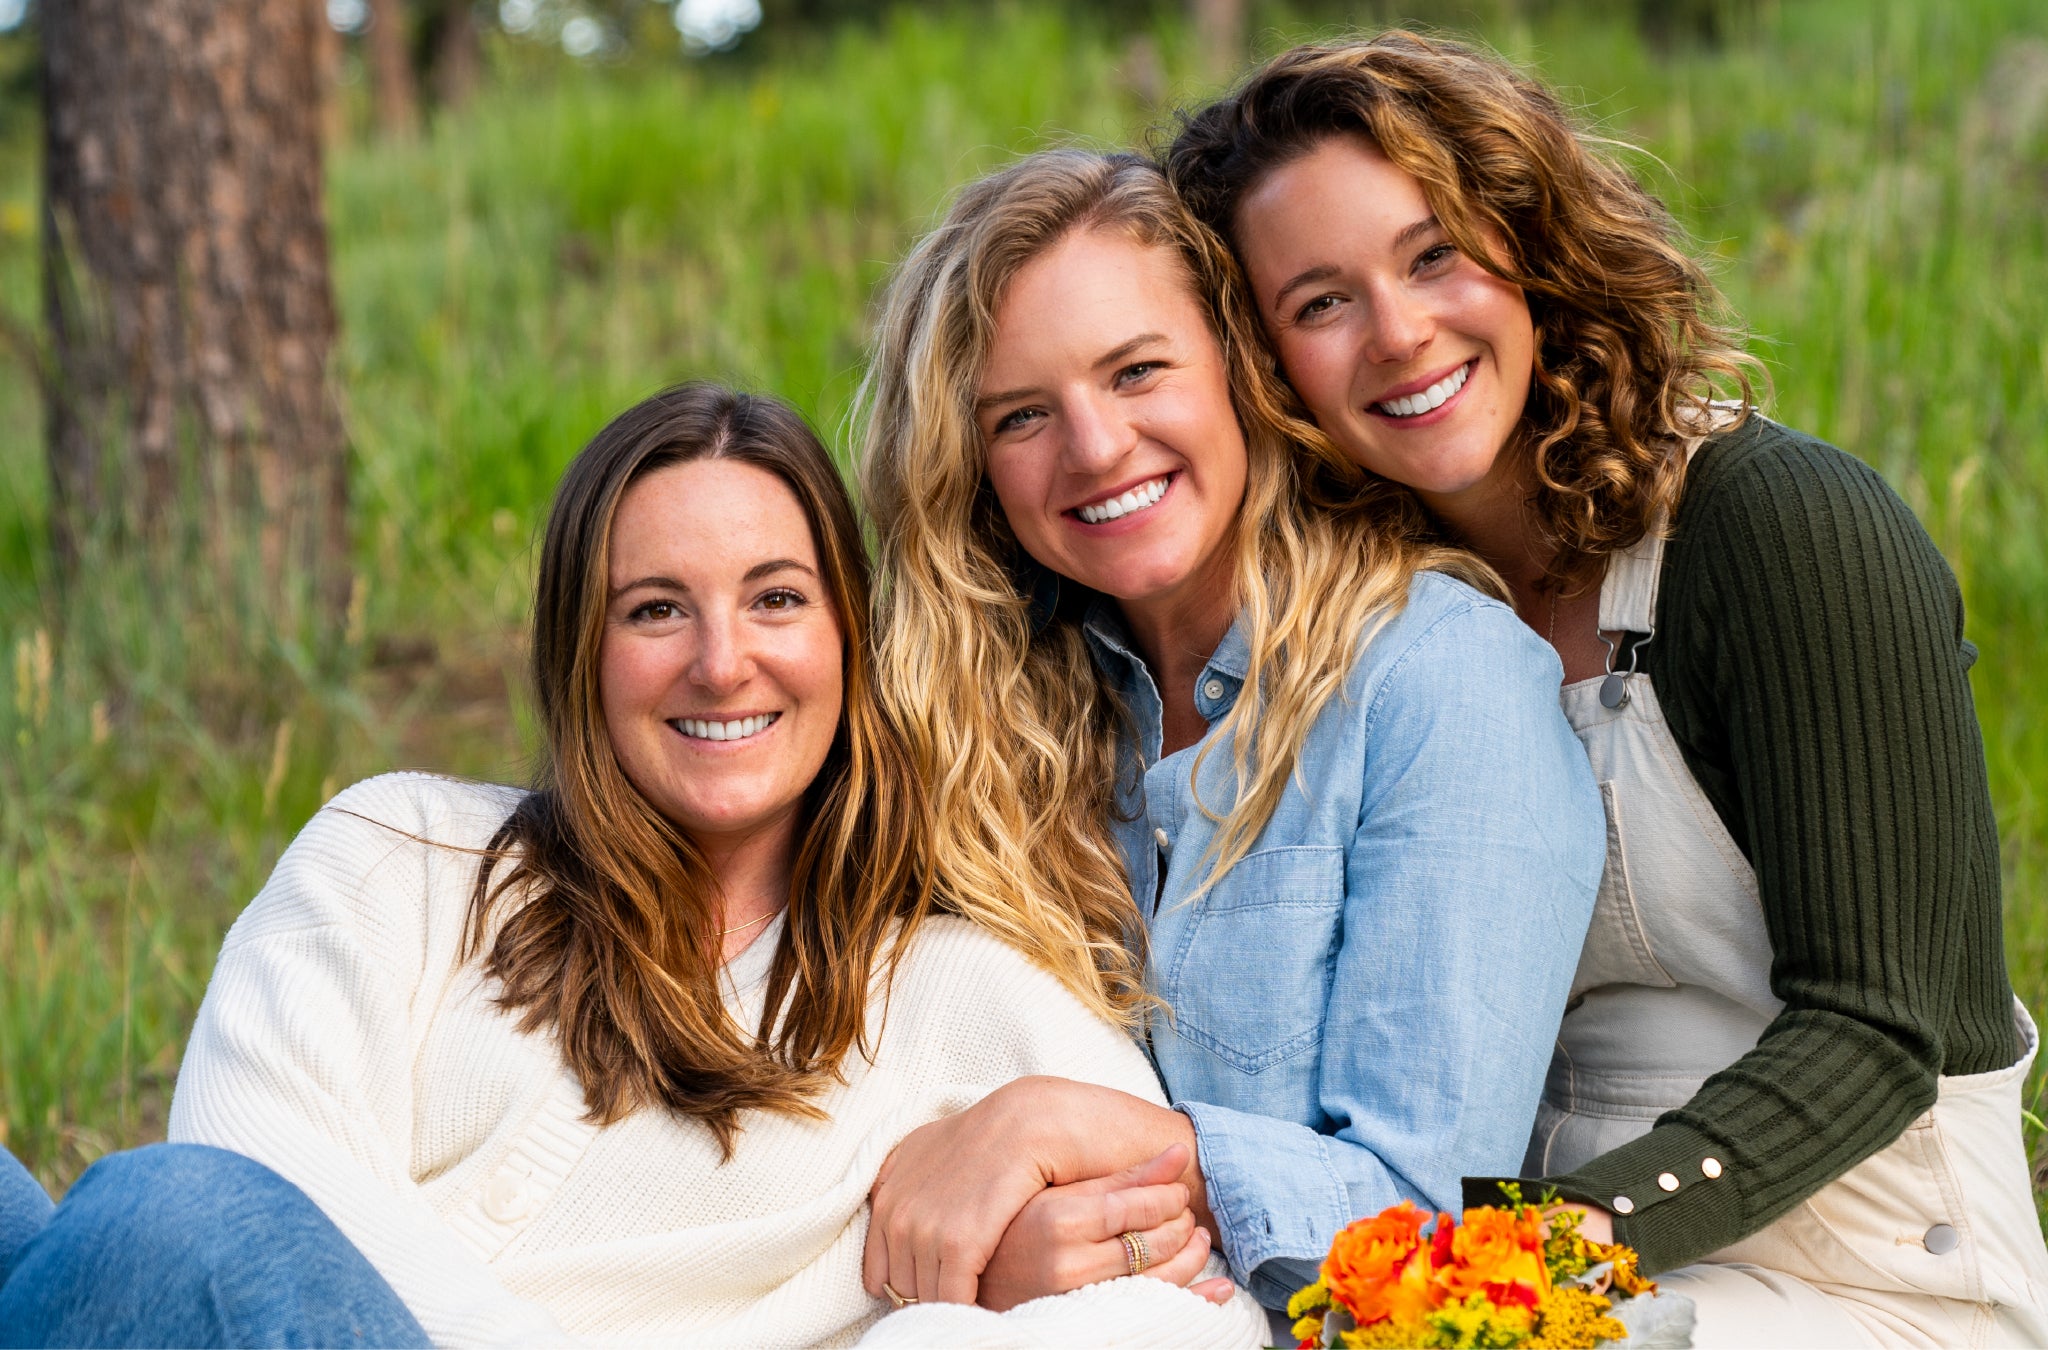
(720, 671)
(1113, 447)
(1414, 359)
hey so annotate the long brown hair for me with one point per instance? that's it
(608, 912)
(1011, 724)
(1630, 348)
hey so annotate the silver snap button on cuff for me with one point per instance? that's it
(1710, 1168)
(1666, 1182)
(1621, 1204)
(1941, 1239)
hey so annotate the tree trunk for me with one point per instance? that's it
(186, 285)
(392, 83)
(458, 60)
(1219, 37)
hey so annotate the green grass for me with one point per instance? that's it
(1872, 181)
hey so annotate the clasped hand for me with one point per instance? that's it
(991, 1206)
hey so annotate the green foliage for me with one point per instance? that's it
(1871, 181)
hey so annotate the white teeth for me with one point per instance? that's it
(1429, 399)
(1137, 499)
(738, 730)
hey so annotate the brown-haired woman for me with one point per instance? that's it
(1793, 1057)
(607, 1058)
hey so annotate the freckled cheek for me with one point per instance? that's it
(633, 677)
(1319, 373)
(1022, 498)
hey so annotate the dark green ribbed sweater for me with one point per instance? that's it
(1810, 660)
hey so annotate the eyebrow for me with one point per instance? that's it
(754, 573)
(1108, 358)
(1419, 228)
(1324, 271)
(774, 565)
(651, 583)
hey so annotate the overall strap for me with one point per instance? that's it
(1628, 594)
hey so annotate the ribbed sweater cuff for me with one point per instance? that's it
(1675, 1194)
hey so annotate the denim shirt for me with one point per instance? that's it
(1363, 1008)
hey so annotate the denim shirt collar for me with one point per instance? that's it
(1109, 638)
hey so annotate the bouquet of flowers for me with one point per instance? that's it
(1504, 1277)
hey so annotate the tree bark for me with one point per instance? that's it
(185, 282)
(1219, 37)
(458, 57)
(393, 85)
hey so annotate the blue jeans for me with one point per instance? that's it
(176, 1244)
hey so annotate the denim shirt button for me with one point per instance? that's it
(1163, 839)
(1213, 689)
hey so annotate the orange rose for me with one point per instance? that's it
(1498, 1253)
(1380, 1267)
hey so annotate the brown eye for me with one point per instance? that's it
(1322, 304)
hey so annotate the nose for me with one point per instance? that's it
(1398, 326)
(1098, 435)
(720, 662)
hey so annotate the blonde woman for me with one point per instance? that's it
(1287, 781)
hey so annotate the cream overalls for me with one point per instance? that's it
(1932, 1240)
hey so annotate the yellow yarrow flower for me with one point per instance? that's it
(1575, 1319)
(1386, 1334)
(1308, 1300)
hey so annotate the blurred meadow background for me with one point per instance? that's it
(613, 209)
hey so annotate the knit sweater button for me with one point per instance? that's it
(1666, 1182)
(1621, 1204)
(506, 1198)
(1710, 1168)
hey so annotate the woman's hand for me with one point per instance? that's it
(950, 1190)
(1595, 1223)
(946, 1193)
(1069, 1236)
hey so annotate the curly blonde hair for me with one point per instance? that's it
(1630, 348)
(1010, 723)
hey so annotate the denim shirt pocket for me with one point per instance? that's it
(1250, 977)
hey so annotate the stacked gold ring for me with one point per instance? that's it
(1136, 1254)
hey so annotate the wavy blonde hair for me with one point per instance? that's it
(1629, 349)
(1010, 723)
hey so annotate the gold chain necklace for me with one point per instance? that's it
(741, 928)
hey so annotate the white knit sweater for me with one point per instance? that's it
(344, 1044)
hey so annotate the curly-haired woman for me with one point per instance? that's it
(1221, 722)
(1793, 1057)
